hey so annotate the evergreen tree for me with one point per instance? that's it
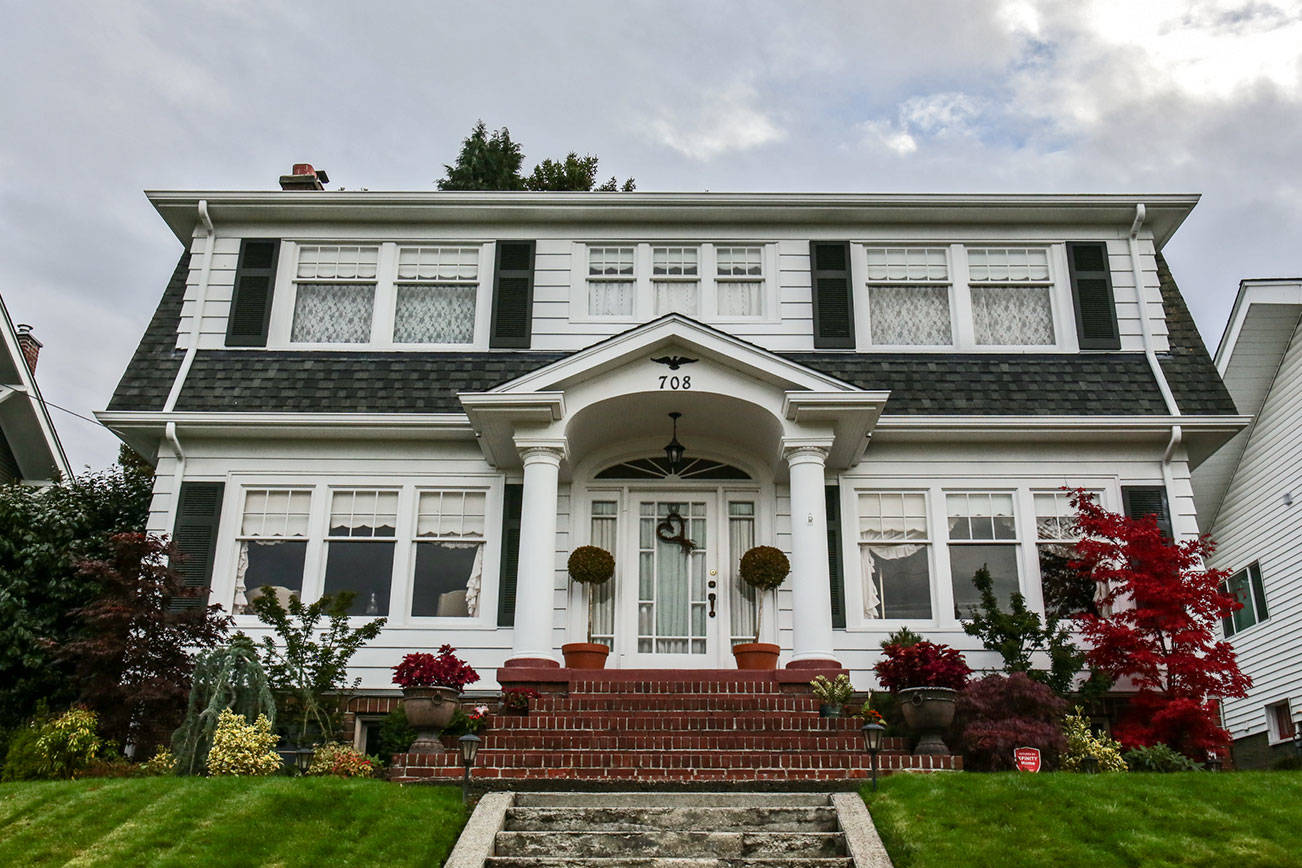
(493, 162)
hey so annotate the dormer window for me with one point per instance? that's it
(909, 297)
(436, 290)
(740, 281)
(676, 280)
(1011, 301)
(334, 299)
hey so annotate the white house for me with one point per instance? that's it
(30, 451)
(1247, 498)
(431, 398)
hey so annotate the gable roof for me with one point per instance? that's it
(28, 441)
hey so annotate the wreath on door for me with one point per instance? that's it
(673, 529)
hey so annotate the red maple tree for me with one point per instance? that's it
(1159, 635)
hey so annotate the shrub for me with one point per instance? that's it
(242, 748)
(835, 692)
(904, 637)
(162, 763)
(341, 761)
(68, 743)
(23, 762)
(1001, 712)
(467, 722)
(1158, 758)
(111, 767)
(590, 565)
(224, 678)
(1087, 751)
(923, 664)
(429, 670)
(764, 567)
(515, 700)
(396, 734)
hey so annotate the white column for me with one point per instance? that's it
(811, 589)
(536, 577)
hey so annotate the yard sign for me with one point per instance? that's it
(1027, 759)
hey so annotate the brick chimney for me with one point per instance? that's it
(304, 177)
(30, 346)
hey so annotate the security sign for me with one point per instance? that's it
(1027, 759)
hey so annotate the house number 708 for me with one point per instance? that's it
(676, 382)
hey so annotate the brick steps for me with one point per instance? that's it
(674, 740)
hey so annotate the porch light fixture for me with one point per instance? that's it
(872, 742)
(469, 745)
(674, 451)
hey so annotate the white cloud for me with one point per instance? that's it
(946, 115)
(718, 123)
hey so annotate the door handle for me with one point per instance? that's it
(711, 597)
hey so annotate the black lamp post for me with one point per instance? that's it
(469, 744)
(303, 759)
(674, 451)
(872, 742)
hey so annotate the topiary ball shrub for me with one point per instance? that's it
(590, 565)
(764, 567)
(999, 713)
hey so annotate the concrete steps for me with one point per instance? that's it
(687, 830)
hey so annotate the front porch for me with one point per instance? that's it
(670, 727)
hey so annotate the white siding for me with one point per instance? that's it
(1255, 525)
(217, 301)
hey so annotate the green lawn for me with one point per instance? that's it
(1241, 819)
(227, 821)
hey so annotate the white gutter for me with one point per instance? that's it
(196, 321)
(178, 475)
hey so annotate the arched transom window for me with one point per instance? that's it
(658, 468)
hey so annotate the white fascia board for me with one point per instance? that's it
(316, 425)
(1256, 291)
(1165, 211)
(727, 349)
(1142, 424)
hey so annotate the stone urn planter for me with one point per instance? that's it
(429, 710)
(928, 711)
(585, 655)
(756, 655)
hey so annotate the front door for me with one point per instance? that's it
(675, 608)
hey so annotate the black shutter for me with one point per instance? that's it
(512, 502)
(512, 295)
(255, 281)
(1091, 292)
(195, 536)
(1142, 500)
(829, 273)
(835, 565)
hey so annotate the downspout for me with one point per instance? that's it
(1177, 434)
(196, 323)
(201, 298)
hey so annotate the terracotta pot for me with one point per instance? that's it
(928, 711)
(585, 655)
(756, 655)
(428, 710)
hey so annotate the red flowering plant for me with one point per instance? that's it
(444, 669)
(921, 664)
(1159, 633)
(516, 699)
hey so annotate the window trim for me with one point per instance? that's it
(1251, 602)
(323, 485)
(962, 325)
(409, 570)
(384, 307)
(1273, 734)
(707, 279)
(929, 542)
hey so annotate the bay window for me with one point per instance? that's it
(895, 554)
(334, 298)
(449, 562)
(982, 533)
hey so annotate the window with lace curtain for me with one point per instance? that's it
(612, 284)
(334, 298)
(436, 290)
(895, 554)
(449, 541)
(676, 280)
(359, 548)
(739, 281)
(272, 544)
(982, 533)
(909, 296)
(1012, 301)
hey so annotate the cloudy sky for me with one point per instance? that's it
(104, 100)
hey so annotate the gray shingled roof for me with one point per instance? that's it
(920, 383)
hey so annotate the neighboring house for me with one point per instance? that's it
(30, 451)
(432, 398)
(1249, 497)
